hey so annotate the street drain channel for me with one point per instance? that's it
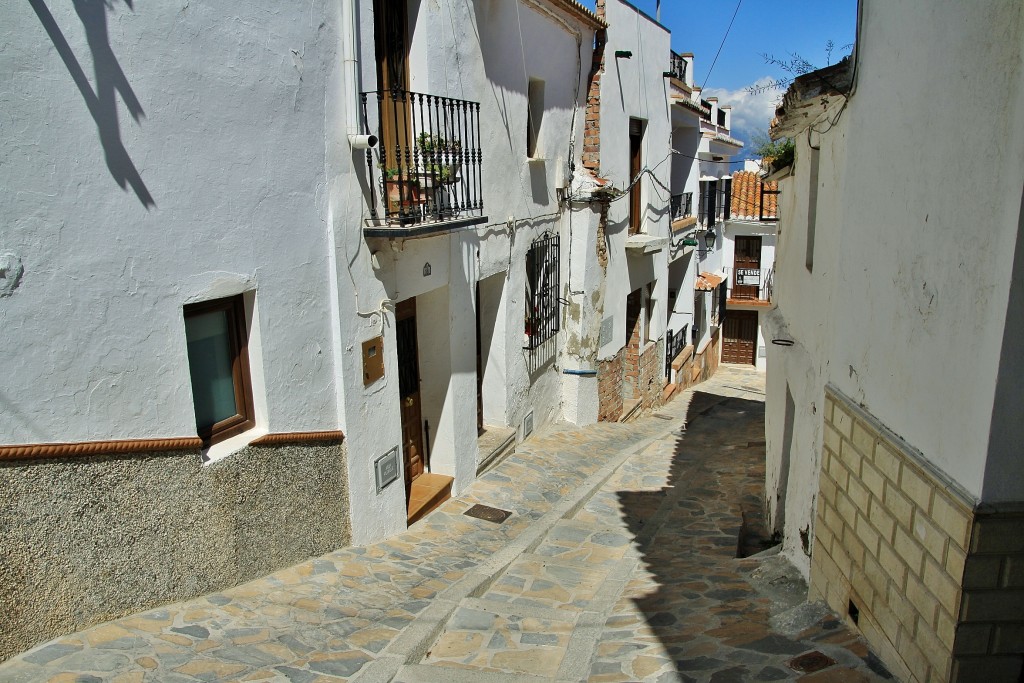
(487, 513)
(811, 662)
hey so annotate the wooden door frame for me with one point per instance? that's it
(736, 319)
(405, 310)
(636, 144)
(745, 291)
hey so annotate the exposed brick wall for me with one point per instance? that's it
(651, 378)
(592, 124)
(631, 360)
(990, 635)
(930, 577)
(609, 388)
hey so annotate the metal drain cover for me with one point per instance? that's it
(486, 512)
(810, 662)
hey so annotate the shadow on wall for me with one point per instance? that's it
(110, 80)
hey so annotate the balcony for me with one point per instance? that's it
(681, 209)
(675, 343)
(676, 67)
(750, 286)
(426, 171)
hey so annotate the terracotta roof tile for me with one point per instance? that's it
(707, 281)
(746, 197)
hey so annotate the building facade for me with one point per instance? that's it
(702, 152)
(893, 425)
(278, 281)
(748, 250)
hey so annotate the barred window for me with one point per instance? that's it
(542, 315)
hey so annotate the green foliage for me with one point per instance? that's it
(775, 153)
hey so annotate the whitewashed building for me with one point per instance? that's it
(895, 358)
(263, 271)
(702, 152)
(748, 252)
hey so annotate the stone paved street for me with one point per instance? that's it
(618, 563)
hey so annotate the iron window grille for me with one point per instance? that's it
(681, 205)
(761, 208)
(542, 286)
(708, 209)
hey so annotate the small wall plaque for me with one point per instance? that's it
(386, 468)
(373, 360)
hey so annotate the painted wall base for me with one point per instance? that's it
(93, 538)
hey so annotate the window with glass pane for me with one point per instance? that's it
(219, 368)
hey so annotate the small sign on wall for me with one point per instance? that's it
(373, 360)
(386, 469)
(748, 277)
(607, 331)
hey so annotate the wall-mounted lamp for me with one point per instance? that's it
(710, 238)
(624, 54)
(426, 269)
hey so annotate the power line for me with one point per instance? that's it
(722, 44)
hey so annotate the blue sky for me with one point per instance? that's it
(778, 27)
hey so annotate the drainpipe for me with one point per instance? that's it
(352, 80)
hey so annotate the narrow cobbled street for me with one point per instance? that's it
(618, 562)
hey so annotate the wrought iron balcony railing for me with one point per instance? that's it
(428, 162)
(681, 205)
(676, 343)
(705, 109)
(750, 284)
(676, 66)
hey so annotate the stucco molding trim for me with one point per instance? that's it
(50, 451)
(906, 450)
(289, 438)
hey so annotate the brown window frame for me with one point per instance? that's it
(238, 337)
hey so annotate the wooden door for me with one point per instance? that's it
(747, 268)
(739, 337)
(479, 370)
(636, 137)
(409, 390)
(397, 160)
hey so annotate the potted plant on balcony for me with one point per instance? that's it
(441, 159)
(402, 190)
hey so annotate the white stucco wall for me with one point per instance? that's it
(154, 156)
(906, 305)
(635, 88)
(468, 51)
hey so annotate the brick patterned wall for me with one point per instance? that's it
(933, 578)
(990, 636)
(651, 377)
(891, 539)
(609, 388)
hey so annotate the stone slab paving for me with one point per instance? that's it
(617, 564)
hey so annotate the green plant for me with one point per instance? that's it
(775, 153)
(399, 174)
(435, 144)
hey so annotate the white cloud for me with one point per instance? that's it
(750, 113)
